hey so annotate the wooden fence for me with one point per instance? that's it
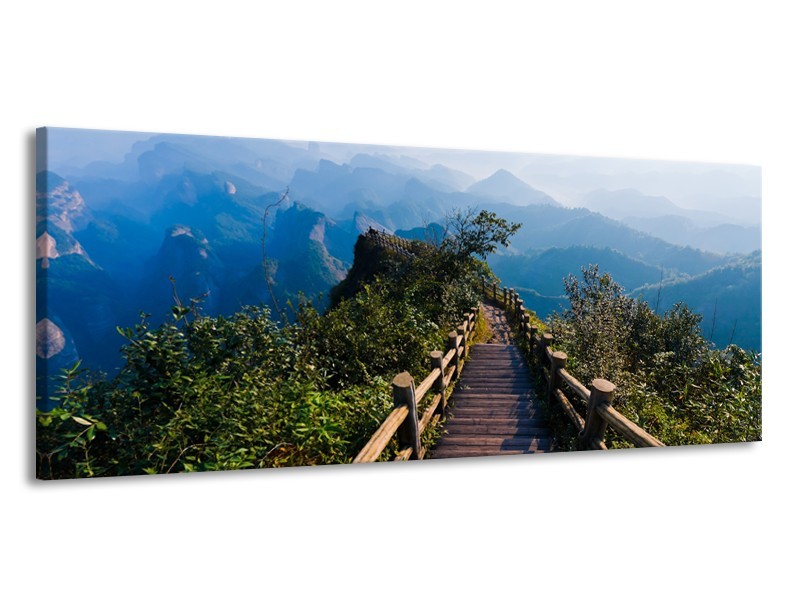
(404, 420)
(596, 400)
(390, 242)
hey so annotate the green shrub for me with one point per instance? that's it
(203, 393)
(669, 379)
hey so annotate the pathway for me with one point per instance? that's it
(494, 409)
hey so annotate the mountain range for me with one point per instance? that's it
(141, 225)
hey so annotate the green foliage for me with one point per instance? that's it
(469, 233)
(398, 338)
(670, 380)
(202, 393)
(221, 393)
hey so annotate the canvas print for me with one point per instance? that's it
(214, 303)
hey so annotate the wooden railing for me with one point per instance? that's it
(404, 419)
(390, 242)
(597, 399)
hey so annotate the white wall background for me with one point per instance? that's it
(677, 80)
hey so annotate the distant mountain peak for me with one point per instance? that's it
(505, 186)
(183, 230)
(50, 340)
(505, 174)
(59, 204)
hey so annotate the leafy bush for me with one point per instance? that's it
(669, 379)
(221, 393)
(235, 392)
(372, 334)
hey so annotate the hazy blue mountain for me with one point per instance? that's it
(265, 162)
(542, 305)
(119, 243)
(361, 223)
(55, 350)
(432, 234)
(552, 226)
(200, 236)
(545, 271)
(731, 190)
(111, 232)
(744, 209)
(722, 239)
(659, 216)
(457, 180)
(437, 176)
(729, 238)
(728, 297)
(414, 205)
(631, 203)
(184, 268)
(77, 302)
(332, 186)
(506, 187)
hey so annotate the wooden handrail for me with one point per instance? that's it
(599, 411)
(626, 428)
(582, 392)
(380, 439)
(403, 420)
(426, 384)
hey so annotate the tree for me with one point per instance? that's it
(469, 232)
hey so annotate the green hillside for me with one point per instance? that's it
(729, 297)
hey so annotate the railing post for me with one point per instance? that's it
(559, 362)
(505, 297)
(403, 395)
(466, 332)
(595, 429)
(460, 330)
(532, 341)
(438, 386)
(547, 339)
(494, 291)
(452, 343)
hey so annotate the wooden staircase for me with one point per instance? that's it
(494, 409)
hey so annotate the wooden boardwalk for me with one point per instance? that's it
(494, 409)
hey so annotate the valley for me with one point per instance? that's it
(177, 219)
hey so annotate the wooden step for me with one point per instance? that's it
(477, 452)
(493, 389)
(502, 429)
(491, 411)
(492, 396)
(517, 378)
(494, 409)
(512, 421)
(491, 365)
(494, 441)
(492, 346)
